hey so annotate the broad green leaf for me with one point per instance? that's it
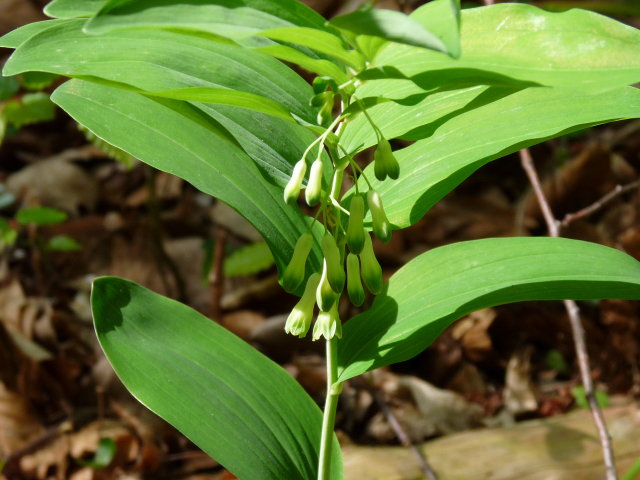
(178, 138)
(40, 216)
(248, 260)
(222, 96)
(390, 25)
(20, 35)
(231, 18)
(30, 108)
(274, 145)
(444, 284)
(73, 8)
(487, 124)
(442, 18)
(575, 49)
(233, 402)
(318, 40)
(155, 60)
(318, 66)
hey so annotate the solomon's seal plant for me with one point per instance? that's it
(203, 89)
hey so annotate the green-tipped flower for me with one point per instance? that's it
(325, 295)
(292, 190)
(381, 225)
(335, 267)
(371, 270)
(300, 318)
(324, 100)
(354, 285)
(328, 324)
(314, 185)
(355, 230)
(385, 163)
(294, 273)
(336, 183)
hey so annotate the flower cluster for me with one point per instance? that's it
(346, 246)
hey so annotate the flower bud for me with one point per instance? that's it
(294, 273)
(335, 268)
(300, 318)
(383, 150)
(292, 190)
(325, 295)
(336, 184)
(371, 270)
(381, 226)
(314, 186)
(385, 163)
(354, 285)
(355, 230)
(328, 324)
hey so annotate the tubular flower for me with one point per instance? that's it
(292, 190)
(381, 226)
(355, 230)
(371, 270)
(328, 324)
(300, 318)
(314, 186)
(385, 163)
(325, 295)
(354, 284)
(335, 268)
(294, 273)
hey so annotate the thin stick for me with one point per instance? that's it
(401, 434)
(217, 275)
(577, 328)
(597, 205)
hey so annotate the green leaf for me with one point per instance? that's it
(231, 18)
(37, 80)
(248, 260)
(104, 454)
(580, 397)
(40, 216)
(180, 139)
(31, 108)
(156, 60)
(467, 129)
(631, 474)
(73, 8)
(230, 400)
(20, 35)
(390, 25)
(63, 243)
(318, 66)
(318, 40)
(442, 285)
(222, 96)
(442, 18)
(8, 87)
(575, 49)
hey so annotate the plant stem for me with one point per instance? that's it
(329, 415)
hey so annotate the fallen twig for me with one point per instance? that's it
(577, 328)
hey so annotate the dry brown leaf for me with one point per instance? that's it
(55, 182)
(243, 323)
(18, 424)
(519, 392)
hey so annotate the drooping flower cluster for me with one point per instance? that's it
(347, 248)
